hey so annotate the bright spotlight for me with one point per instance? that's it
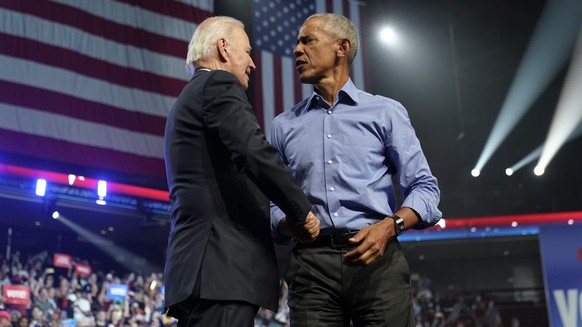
(101, 189)
(388, 36)
(442, 223)
(547, 52)
(568, 112)
(475, 173)
(539, 171)
(56, 215)
(40, 187)
(508, 171)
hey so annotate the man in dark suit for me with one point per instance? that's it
(221, 171)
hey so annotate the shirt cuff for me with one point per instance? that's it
(276, 216)
(428, 216)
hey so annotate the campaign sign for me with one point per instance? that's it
(83, 270)
(62, 260)
(561, 250)
(116, 292)
(16, 294)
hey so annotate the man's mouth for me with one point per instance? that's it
(299, 64)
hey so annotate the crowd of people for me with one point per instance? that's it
(60, 297)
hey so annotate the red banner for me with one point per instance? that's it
(62, 260)
(16, 294)
(82, 269)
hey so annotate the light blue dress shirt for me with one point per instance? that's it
(345, 156)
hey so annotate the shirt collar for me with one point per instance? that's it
(348, 94)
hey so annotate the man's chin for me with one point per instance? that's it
(305, 79)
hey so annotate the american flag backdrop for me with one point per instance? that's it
(90, 83)
(275, 27)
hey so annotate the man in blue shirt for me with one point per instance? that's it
(344, 146)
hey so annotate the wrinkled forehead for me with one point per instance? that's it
(314, 26)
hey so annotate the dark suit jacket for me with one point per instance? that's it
(219, 168)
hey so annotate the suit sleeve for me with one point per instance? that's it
(228, 113)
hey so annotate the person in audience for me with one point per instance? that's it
(5, 319)
(23, 321)
(37, 318)
(82, 308)
(101, 319)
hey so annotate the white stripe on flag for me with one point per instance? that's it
(68, 129)
(66, 82)
(267, 79)
(357, 65)
(136, 17)
(306, 90)
(320, 6)
(207, 5)
(338, 7)
(67, 37)
(288, 82)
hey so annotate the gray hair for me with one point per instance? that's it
(339, 27)
(205, 36)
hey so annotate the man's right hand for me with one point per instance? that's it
(304, 231)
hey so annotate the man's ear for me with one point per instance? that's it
(345, 46)
(222, 49)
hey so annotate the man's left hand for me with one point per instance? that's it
(373, 240)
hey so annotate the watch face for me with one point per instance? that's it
(399, 222)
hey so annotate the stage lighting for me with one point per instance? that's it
(442, 223)
(475, 173)
(388, 36)
(508, 171)
(55, 215)
(40, 187)
(539, 171)
(102, 189)
(101, 192)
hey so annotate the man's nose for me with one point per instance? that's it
(298, 50)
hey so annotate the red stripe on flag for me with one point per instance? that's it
(172, 8)
(329, 6)
(58, 57)
(94, 25)
(346, 8)
(258, 92)
(43, 100)
(81, 155)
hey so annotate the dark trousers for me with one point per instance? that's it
(323, 292)
(197, 312)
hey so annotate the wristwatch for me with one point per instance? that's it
(398, 224)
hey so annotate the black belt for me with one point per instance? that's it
(334, 241)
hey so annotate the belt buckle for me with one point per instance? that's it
(339, 241)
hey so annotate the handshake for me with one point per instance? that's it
(304, 231)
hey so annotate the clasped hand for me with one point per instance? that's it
(303, 231)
